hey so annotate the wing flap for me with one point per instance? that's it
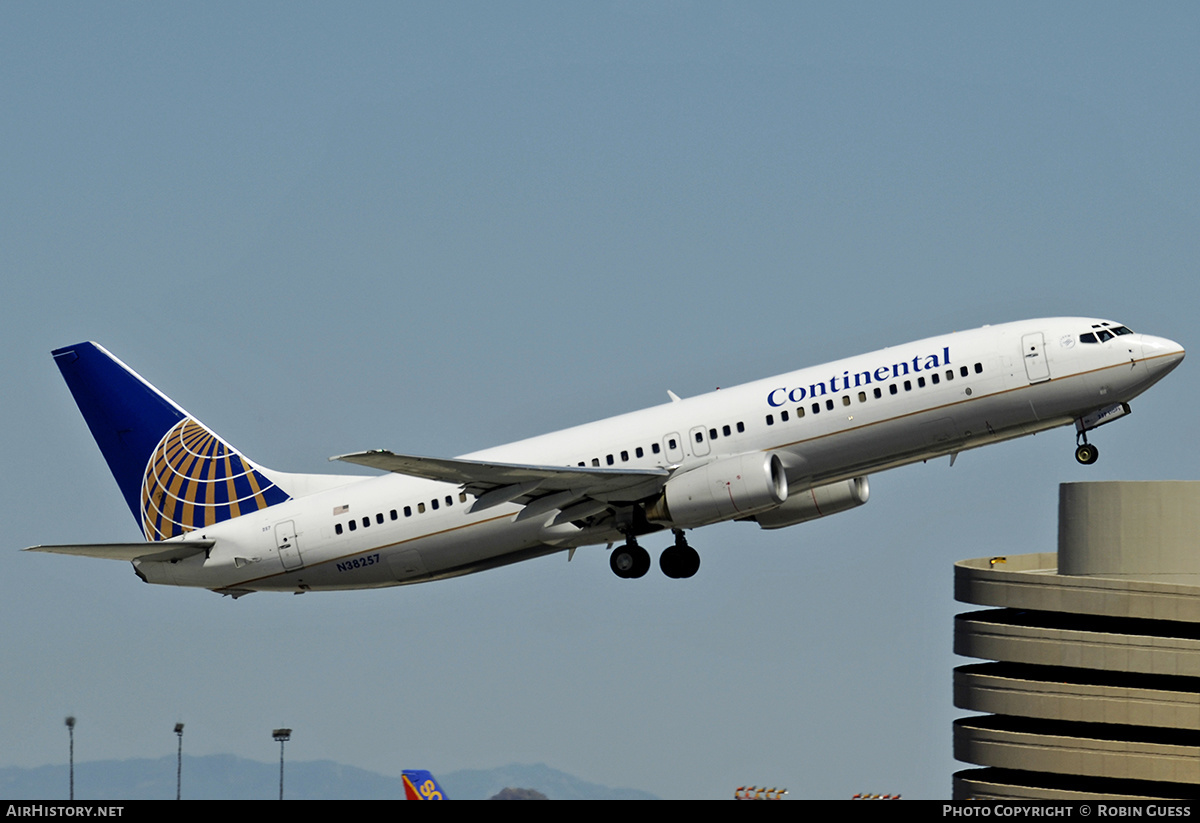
(130, 551)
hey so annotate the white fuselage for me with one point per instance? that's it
(827, 424)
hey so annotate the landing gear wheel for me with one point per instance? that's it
(690, 562)
(621, 561)
(630, 561)
(679, 561)
(642, 564)
(1087, 454)
(669, 562)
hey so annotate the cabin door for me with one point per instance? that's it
(674, 447)
(1033, 350)
(285, 541)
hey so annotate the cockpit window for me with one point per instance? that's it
(1103, 332)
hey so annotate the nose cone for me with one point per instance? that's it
(1161, 355)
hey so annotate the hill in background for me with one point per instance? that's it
(225, 777)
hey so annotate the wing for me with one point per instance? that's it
(577, 490)
(175, 550)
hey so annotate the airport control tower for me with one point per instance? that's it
(1093, 689)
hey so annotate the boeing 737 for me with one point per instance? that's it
(775, 452)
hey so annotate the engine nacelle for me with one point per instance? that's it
(726, 489)
(817, 502)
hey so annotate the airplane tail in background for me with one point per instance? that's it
(176, 475)
(421, 785)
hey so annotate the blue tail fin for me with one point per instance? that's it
(176, 474)
(421, 785)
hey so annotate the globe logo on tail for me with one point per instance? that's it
(195, 479)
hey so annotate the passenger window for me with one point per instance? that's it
(596, 462)
(829, 404)
(816, 407)
(639, 452)
(353, 525)
(420, 508)
(379, 518)
(654, 447)
(408, 511)
(671, 444)
(337, 527)
(394, 514)
(920, 382)
(908, 385)
(624, 457)
(741, 427)
(366, 522)
(712, 434)
(462, 497)
(862, 397)
(892, 388)
(845, 400)
(963, 371)
(434, 503)
(979, 368)
(725, 430)
(770, 422)
(609, 459)
(799, 412)
(935, 378)
(949, 374)
(878, 392)
(449, 500)
(783, 417)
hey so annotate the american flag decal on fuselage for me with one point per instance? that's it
(195, 479)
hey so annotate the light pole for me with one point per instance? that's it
(179, 760)
(283, 736)
(70, 722)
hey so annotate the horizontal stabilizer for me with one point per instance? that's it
(131, 551)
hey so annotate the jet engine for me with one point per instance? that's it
(725, 489)
(816, 502)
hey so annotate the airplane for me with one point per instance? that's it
(421, 785)
(777, 452)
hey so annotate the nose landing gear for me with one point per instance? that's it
(1085, 452)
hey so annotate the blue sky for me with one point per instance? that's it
(438, 227)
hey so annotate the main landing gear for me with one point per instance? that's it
(681, 560)
(678, 561)
(630, 560)
(1085, 452)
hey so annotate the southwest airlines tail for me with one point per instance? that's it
(421, 785)
(175, 474)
